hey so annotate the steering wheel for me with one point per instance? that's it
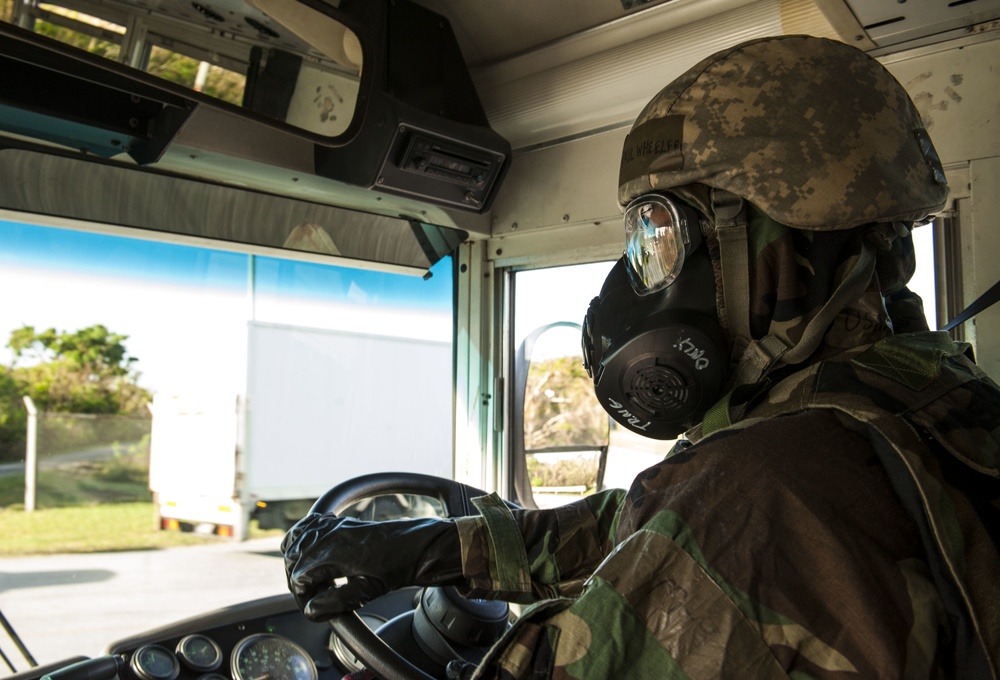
(457, 499)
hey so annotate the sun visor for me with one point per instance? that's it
(180, 210)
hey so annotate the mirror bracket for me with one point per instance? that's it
(83, 101)
(424, 133)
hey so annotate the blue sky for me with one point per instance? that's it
(89, 254)
(185, 309)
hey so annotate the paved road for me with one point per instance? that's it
(63, 605)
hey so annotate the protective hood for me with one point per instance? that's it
(813, 289)
(814, 292)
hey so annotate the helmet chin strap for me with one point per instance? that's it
(731, 227)
(758, 357)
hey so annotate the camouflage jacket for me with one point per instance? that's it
(846, 526)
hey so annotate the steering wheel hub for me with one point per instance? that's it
(448, 626)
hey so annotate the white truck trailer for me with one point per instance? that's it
(309, 415)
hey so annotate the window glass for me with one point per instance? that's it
(184, 304)
(83, 31)
(181, 307)
(545, 296)
(341, 298)
(350, 368)
(557, 473)
(282, 59)
(923, 283)
(200, 76)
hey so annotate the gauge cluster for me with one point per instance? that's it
(267, 639)
(261, 656)
(263, 640)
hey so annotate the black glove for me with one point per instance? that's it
(376, 557)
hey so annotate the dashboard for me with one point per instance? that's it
(270, 639)
(266, 639)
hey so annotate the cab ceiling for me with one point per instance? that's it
(490, 32)
(535, 70)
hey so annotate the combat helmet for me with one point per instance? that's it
(812, 132)
(815, 133)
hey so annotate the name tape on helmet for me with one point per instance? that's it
(654, 146)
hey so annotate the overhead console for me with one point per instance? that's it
(363, 105)
(418, 128)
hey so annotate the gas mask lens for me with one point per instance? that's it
(658, 234)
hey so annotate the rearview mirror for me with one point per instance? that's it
(562, 432)
(357, 124)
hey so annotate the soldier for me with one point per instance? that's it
(832, 509)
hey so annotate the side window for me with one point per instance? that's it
(923, 282)
(560, 446)
(564, 445)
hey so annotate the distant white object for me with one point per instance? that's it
(318, 407)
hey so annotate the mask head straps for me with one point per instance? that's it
(756, 357)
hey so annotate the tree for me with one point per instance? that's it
(83, 41)
(94, 350)
(560, 408)
(86, 371)
(13, 417)
(178, 68)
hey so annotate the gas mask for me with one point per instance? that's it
(652, 341)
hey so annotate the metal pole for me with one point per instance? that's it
(17, 642)
(31, 456)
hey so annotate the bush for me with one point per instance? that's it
(560, 470)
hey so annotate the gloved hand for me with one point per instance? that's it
(376, 557)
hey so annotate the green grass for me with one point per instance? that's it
(97, 528)
(61, 489)
(123, 478)
(88, 508)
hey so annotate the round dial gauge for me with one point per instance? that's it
(153, 662)
(271, 657)
(199, 653)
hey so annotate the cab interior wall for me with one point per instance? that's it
(563, 91)
(563, 192)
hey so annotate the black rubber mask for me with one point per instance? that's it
(658, 361)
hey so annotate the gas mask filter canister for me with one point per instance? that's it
(658, 360)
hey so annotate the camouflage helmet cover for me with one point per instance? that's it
(814, 132)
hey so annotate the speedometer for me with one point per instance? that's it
(271, 657)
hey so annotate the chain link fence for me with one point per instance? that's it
(85, 459)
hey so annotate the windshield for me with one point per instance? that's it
(179, 395)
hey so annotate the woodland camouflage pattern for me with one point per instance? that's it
(837, 520)
(794, 272)
(840, 519)
(812, 131)
(740, 558)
